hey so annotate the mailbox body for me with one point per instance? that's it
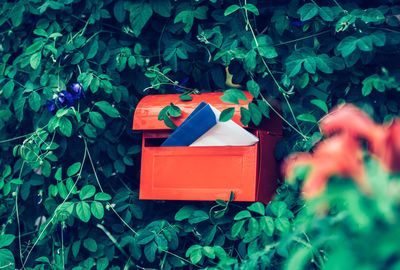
(204, 172)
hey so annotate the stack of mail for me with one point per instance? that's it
(203, 128)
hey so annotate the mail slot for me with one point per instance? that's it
(204, 173)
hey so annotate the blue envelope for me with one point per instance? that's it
(195, 125)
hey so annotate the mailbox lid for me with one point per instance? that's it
(147, 110)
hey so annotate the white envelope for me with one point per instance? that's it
(225, 134)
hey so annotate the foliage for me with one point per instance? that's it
(69, 160)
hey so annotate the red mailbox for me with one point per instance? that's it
(204, 173)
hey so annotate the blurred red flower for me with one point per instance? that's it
(342, 153)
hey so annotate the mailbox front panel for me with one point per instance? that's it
(199, 173)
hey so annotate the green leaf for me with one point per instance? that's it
(307, 117)
(307, 11)
(35, 60)
(83, 211)
(326, 14)
(119, 11)
(97, 209)
(76, 246)
(162, 7)
(196, 256)
(90, 130)
(253, 88)
(257, 207)
(184, 213)
(265, 46)
(139, 15)
(365, 44)
(8, 89)
(174, 110)
(320, 104)
(347, 46)
(267, 225)
(255, 113)
(187, 17)
(245, 116)
(264, 107)
(40, 32)
(101, 196)
(65, 126)
(73, 169)
(87, 192)
(237, 227)
(209, 252)
(226, 114)
(373, 15)
(102, 263)
(34, 47)
(62, 190)
(144, 237)
(7, 261)
(34, 101)
(231, 9)
(299, 258)
(150, 251)
(198, 216)
(97, 119)
(185, 97)
(251, 8)
(282, 224)
(107, 108)
(242, 215)
(90, 244)
(6, 240)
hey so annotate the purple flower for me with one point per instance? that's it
(51, 105)
(76, 91)
(181, 83)
(65, 99)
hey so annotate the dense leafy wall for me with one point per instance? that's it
(72, 71)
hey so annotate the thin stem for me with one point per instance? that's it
(344, 10)
(101, 189)
(54, 214)
(17, 214)
(302, 38)
(273, 77)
